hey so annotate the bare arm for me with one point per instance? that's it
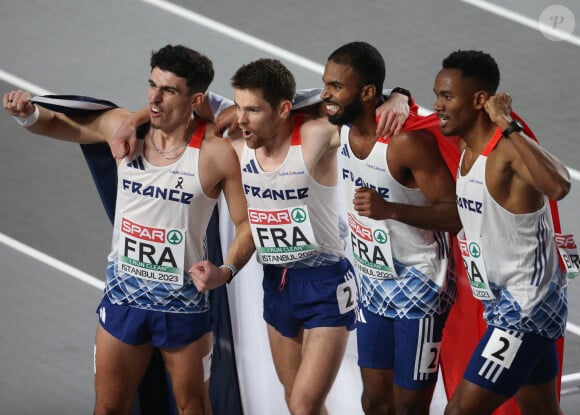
(530, 162)
(82, 129)
(415, 161)
(206, 275)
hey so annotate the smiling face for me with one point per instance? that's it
(341, 94)
(258, 121)
(171, 104)
(455, 102)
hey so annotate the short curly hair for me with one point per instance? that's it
(475, 64)
(184, 62)
(366, 61)
(269, 76)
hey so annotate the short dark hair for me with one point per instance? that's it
(366, 61)
(186, 63)
(270, 76)
(475, 64)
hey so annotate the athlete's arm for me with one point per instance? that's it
(221, 157)
(415, 161)
(530, 162)
(82, 129)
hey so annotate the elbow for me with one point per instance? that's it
(561, 191)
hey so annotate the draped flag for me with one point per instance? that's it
(155, 396)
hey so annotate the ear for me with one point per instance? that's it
(479, 99)
(197, 98)
(368, 93)
(285, 108)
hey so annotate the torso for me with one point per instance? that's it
(161, 217)
(391, 255)
(520, 263)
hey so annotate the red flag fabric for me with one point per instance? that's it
(465, 324)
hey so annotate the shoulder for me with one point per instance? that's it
(218, 151)
(414, 147)
(319, 132)
(414, 140)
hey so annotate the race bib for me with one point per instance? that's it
(346, 296)
(568, 254)
(371, 249)
(430, 357)
(153, 254)
(475, 267)
(501, 348)
(284, 235)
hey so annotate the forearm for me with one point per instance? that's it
(62, 127)
(241, 248)
(438, 217)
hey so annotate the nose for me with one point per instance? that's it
(242, 116)
(324, 94)
(154, 95)
(438, 106)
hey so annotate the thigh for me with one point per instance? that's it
(539, 399)
(119, 368)
(471, 399)
(189, 369)
(287, 355)
(322, 353)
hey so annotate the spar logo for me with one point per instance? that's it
(145, 233)
(363, 232)
(277, 217)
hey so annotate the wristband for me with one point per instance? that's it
(402, 91)
(30, 120)
(232, 268)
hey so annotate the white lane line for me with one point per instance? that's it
(573, 328)
(237, 35)
(524, 20)
(23, 84)
(52, 262)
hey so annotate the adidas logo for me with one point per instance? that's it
(137, 163)
(345, 152)
(251, 167)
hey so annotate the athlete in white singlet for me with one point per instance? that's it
(503, 185)
(165, 196)
(400, 201)
(290, 181)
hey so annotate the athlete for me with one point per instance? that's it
(400, 203)
(165, 197)
(290, 181)
(503, 185)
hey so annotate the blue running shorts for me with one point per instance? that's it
(136, 326)
(505, 360)
(409, 347)
(324, 296)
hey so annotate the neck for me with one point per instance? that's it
(279, 143)
(364, 127)
(482, 130)
(171, 146)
